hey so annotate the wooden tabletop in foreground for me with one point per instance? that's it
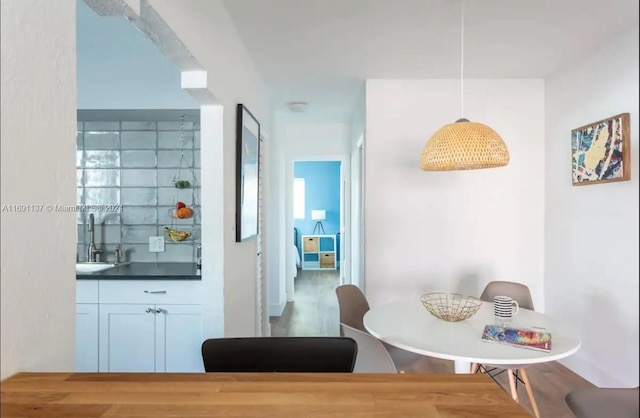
(158, 395)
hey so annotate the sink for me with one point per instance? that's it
(93, 267)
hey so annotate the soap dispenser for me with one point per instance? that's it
(199, 258)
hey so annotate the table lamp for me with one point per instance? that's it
(318, 216)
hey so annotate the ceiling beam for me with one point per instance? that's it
(126, 8)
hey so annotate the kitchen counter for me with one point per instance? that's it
(145, 271)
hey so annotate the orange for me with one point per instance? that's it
(184, 213)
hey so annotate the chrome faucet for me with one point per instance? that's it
(92, 251)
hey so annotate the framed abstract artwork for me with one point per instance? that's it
(247, 170)
(600, 151)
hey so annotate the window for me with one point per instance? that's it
(298, 198)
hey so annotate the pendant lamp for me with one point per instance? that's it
(464, 145)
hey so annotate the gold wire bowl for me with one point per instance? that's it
(451, 307)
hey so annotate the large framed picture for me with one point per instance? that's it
(247, 170)
(600, 151)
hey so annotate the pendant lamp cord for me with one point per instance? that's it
(462, 61)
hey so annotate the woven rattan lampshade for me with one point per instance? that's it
(464, 145)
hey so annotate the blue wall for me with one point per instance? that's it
(322, 191)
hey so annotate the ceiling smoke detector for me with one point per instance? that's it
(297, 107)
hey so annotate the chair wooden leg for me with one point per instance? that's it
(474, 368)
(527, 386)
(512, 385)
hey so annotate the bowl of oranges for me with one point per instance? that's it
(181, 211)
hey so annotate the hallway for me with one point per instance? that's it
(314, 312)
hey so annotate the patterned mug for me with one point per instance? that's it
(503, 309)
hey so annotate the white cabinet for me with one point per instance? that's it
(150, 338)
(139, 327)
(87, 337)
(127, 338)
(319, 252)
(179, 338)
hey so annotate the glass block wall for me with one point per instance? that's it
(126, 164)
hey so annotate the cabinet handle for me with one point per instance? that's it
(149, 310)
(159, 310)
(155, 292)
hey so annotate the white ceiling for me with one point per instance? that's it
(321, 51)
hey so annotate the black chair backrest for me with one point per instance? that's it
(280, 354)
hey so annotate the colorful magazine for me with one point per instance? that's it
(519, 337)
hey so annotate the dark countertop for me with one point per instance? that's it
(145, 271)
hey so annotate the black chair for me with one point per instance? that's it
(280, 354)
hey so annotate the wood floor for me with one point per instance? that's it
(315, 309)
(315, 313)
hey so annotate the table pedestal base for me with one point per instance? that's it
(462, 367)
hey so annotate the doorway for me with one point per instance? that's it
(317, 248)
(138, 151)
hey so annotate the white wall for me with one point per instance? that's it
(277, 237)
(314, 139)
(356, 139)
(120, 68)
(38, 123)
(446, 231)
(204, 26)
(591, 232)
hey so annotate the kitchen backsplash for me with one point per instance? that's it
(126, 168)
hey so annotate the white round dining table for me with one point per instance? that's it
(408, 325)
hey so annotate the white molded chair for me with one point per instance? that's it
(372, 356)
(604, 402)
(353, 305)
